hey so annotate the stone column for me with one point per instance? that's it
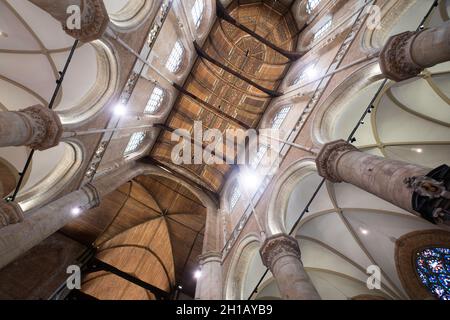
(281, 254)
(39, 224)
(10, 213)
(419, 190)
(210, 285)
(37, 127)
(94, 17)
(9, 176)
(407, 54)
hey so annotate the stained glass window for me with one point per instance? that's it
(197, 12)
(433, 268)
(176, 57)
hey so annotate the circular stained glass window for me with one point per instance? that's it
(433, 268)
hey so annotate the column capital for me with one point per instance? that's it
(45, 127)
(93, 195)
(210, 257)
(10, 213)
(328, 157)
(94, 21)
(396, 58)
(277, 247)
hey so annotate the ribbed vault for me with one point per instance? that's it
(151, 228)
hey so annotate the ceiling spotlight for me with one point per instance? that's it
(418, 150)
(197, 274)
(180, 287)
(120, 110)
(76, 211)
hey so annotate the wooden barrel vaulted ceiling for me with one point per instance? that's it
(226, 92)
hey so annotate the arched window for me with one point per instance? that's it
(154, 103)
(323, 30)
(259, 156)
(197, 12)
(280, 117)
(311, 5)
(235, 196)
(433, 268)
(173, 64)
(135, 142)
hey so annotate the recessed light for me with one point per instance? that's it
(365, 232)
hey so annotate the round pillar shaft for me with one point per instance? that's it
(36, 127)
(57, 9)
(209, 285)
(94, 18)
(340, 161)
(41, 223)
(432, 46)
(407, 54)
(281, 254)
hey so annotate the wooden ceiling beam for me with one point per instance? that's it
(96, 265)
(211, 108)
(207, 57)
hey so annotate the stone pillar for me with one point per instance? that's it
(9, 176)
(39, 224)
(281, 254)
(340, 161)
(407, 54)
(37, 127)
(16, 239)
(210, 285)
(94, 17)
(10, 213)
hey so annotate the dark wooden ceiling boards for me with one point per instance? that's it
(228, 93)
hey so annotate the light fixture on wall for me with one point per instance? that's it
(120, 110)
(249, 179)
(198, 274)
(418, 150)
(311, 72)
(76, 211)
(364, 231)
(3, 34)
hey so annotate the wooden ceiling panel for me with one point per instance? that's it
(233, 95)
(156, 229)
